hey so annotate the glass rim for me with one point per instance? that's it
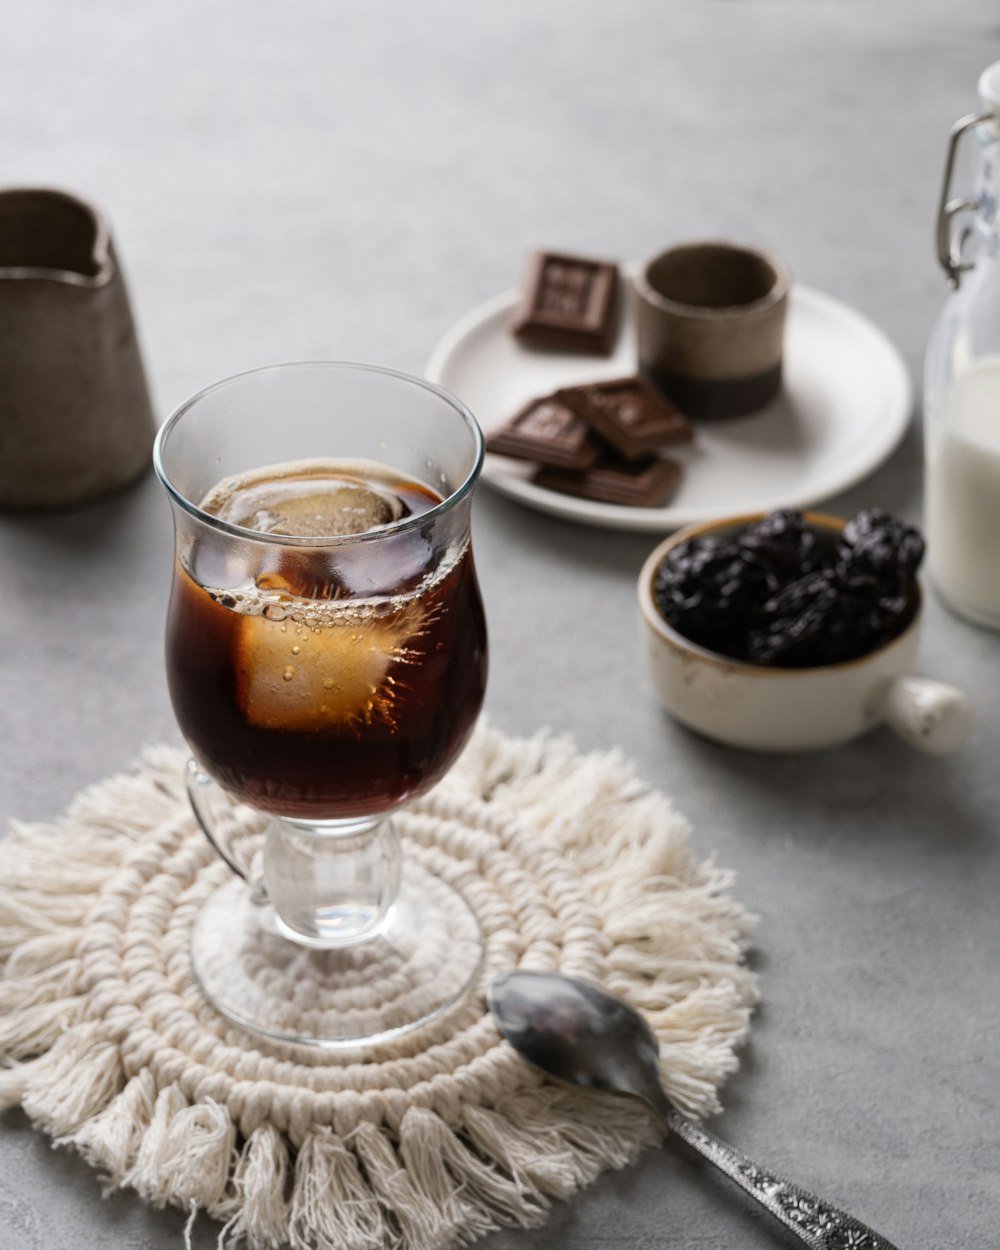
(178, 497)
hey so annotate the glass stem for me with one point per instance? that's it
(332, 883)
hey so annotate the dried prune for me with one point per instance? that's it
(779, 595)
(783, 543)
(816, 620)
(879, 555)
(790, 621)
(710, 592)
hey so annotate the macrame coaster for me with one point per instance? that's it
(427, 1142)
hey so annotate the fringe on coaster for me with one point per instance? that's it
(675, 942)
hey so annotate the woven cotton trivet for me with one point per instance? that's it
(433, 1139)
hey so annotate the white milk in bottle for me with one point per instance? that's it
(962, 392)
(962, 520)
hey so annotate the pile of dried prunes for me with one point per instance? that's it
(785, 595)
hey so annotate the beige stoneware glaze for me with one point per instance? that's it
(75, 415)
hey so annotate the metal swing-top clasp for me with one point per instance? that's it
(950, 245)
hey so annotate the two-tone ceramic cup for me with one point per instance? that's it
(795, 709)
(710, 321)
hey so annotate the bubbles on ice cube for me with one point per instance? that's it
(307, 678)
(305, 574)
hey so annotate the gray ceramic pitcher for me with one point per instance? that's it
(75, 415)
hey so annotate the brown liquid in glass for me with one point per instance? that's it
(330, 681)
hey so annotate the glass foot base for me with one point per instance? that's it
(422, 960)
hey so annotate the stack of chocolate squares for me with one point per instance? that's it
(599, 441)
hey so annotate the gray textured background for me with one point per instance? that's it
(345, 179)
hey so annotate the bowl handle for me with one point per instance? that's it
(928, 715)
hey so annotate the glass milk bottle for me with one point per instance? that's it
(962, 383)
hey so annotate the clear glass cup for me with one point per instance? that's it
(321, 683)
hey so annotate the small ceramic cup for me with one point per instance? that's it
(795, 709)
(710, 321)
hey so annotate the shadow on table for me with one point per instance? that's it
(582, 548)
(875, 781)
(87, 526)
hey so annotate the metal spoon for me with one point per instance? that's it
(580, 1034)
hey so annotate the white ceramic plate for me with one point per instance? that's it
(845, 405)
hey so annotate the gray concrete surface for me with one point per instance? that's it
(344, 180)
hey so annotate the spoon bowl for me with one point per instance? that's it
(578, 1034)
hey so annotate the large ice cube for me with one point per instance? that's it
(312, 508)
(394, 565)
(309, 498)
(298, 676)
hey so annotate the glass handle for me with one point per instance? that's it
(950, 246)
(219, 824)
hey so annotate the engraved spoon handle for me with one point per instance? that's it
(817, 1223)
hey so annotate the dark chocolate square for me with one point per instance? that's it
(569, 303)
(549, 432)
(629, 414)
(633, 483)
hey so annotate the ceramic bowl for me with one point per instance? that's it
(795, 709)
